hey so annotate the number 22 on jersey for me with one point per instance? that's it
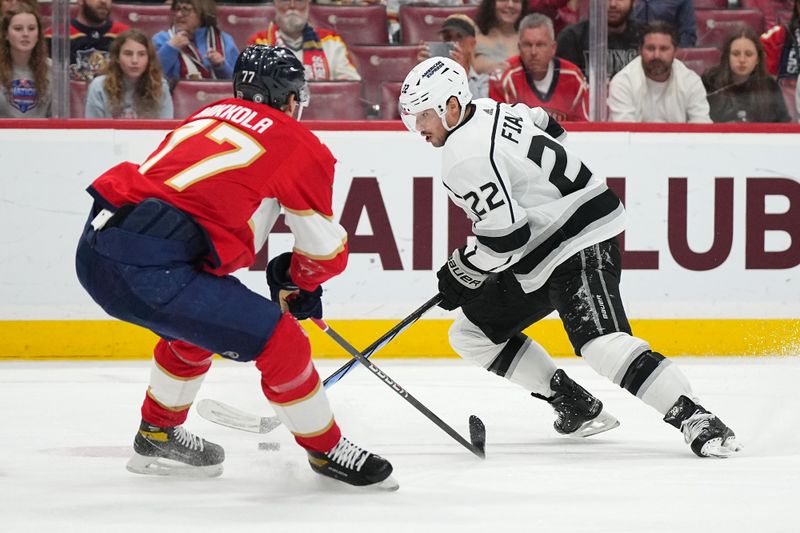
(243, 151)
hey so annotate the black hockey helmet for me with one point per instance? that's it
(268, 75)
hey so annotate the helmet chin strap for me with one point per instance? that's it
(460, 118)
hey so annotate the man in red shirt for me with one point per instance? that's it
(164, 236)
(537, 78)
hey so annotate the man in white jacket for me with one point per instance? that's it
(656, 87)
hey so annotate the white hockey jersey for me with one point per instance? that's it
(532, 203)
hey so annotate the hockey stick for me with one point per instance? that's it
(384, 340)
(227, 415)
(477, 431)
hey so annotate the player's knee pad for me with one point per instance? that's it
(629, 362)
(520, 359)
(285, 363)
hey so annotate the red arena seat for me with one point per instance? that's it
(242, 21)
(356, 24)
(334, 100)
(714, 24)
(709, 4)
(377, 64)
(390, 92)
(46, 13)
(189, 96)
(77, 98)
(422, 23)
(698, 59)
(150, 18)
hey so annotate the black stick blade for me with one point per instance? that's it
(477, 434)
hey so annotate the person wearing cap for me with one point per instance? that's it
(460, 31)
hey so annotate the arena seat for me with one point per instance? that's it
(698, 59)
(150, 18)
(189, 96)
(714, 24)
(334, 100)
(422, 23)
(46, 13)
(789, 88)
(390, 92)
(783, 16)
(356, 24)
(709, 4)
(77, 98)
(377, 64)
(242, 21)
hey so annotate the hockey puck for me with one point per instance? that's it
(269, 446)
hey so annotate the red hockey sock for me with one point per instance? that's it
(177, 373)
(291, 384)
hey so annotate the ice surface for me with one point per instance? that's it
(67, 429)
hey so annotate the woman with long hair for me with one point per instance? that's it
(132, 85)
(24, 65)
(739, 88)
(194, 48)
(498, 38)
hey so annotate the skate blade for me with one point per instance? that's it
(158, 466)
(389, 484)
(599, 424)
(714, 449)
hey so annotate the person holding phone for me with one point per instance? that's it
(458, 33)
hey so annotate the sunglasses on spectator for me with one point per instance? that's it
(183, 9)
(287, 2)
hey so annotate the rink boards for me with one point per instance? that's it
(711, 251)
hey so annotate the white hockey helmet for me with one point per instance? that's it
(430, 85)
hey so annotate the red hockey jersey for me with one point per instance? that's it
(232, 166)
(567, 98)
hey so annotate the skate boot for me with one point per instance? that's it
(704, 432)
(578, 413)
(167, 451)
(356, 466)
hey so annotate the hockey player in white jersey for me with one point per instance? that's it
(545, 230)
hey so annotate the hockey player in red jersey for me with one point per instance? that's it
(545, 240)
(164, 236)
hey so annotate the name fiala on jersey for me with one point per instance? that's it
(511, 125)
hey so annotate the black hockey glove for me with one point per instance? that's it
(458, 283)
(282, 290)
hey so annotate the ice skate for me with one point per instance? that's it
(578, 413)
(353, 465)
(704, 432)
(169, 451)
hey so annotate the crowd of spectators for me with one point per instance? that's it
(531, 51)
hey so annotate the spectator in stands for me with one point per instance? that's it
(623, 39)
(91, 33)
(194, 48)
(739, 88)
(24, 65)
(498, 22)
(782, 47)
(656, 87)
(561, 12)
(460, 31)
(537, 77)
(678, 13)
(132, 85)
(323, 52)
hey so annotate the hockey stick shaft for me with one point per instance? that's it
(383, 340)
(477, 450)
